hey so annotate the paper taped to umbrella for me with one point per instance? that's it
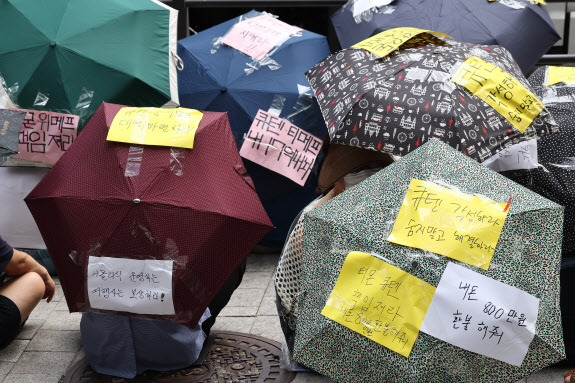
(156, 126)
(148, 230)
(397, 102)
(515, 301)
(44, 137)
(447, 222)
(557, 74)
(280, 146)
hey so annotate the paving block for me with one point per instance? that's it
(237, 311)
(268, 307)
(5, 368)
(268, 327)
(32, 378)
(62, 321)
(42, 310)
(30, 328)
(53, 340)
(246, 297)
(271, 289)
(58, 295)
(13, 351)
(49, 362)
(237, 324)
(62, 305)
(255, 280)
(262, 262)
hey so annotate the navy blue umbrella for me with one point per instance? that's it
(215, 79)
(523, 28)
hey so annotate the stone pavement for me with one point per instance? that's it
(50, 342)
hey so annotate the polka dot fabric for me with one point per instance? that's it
(205, 215)
(555, 178)
(361, 218)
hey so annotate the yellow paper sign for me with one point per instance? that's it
(500, 90)
(450, 223)
(386, 42)
(557, 74)
(379, 301)
(156, 126)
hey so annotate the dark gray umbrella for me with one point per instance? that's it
(10, 125)
(523, 28)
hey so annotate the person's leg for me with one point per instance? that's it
(25, 291)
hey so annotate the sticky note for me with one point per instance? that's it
(557, 74)
(482, 315)
(447, 222)
(257, 36)
(379, 301)
(500, 90)
(516, 157)
(280, 146)
(156, 126)
(131, 285)
(386, 42)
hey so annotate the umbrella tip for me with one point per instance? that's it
(52, 44)
(224, 89)
(137, 200)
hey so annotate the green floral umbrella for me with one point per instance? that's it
(64, 55)
(526, 256)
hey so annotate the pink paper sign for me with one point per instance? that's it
(280, 146)
(259, 35)
(45, 136)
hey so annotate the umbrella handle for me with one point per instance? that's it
(178, 61)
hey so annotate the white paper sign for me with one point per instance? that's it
(482, 315)
(360, 6)
(515, 157)
(130, 285)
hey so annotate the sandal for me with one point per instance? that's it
(571, 376)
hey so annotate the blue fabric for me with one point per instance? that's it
(527, 33)
(42, 256)
(6, 252)
(125, 347)
(218, 82)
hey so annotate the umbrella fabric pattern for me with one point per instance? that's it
(10, 125)
(217, 81)
(525, 29)
(194, 208)
(395, 104)
(361, 218)
(114, 51)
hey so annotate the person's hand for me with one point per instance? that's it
(50, 285)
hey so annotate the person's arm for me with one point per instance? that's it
(22, 263)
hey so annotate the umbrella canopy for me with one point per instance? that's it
(218, 82)
(10, 125)
(76, 51)
(526, 29)
(362, 218)
(196, 208)
(397, 102)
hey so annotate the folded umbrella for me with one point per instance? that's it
(216, 80)
(471, 96)
(189, 217)
(525, 29)
(76, 52)
(363, 217)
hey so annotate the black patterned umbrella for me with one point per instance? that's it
(397, 102)
(10, 125)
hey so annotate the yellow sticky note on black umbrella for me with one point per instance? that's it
(156, 126)
(450, 223)
(500, 90)
(379, 301)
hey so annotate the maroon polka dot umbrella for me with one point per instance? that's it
(119, 220)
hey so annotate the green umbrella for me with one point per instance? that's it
(76, 52)
(526, 256)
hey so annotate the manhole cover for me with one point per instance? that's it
(232, 357)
